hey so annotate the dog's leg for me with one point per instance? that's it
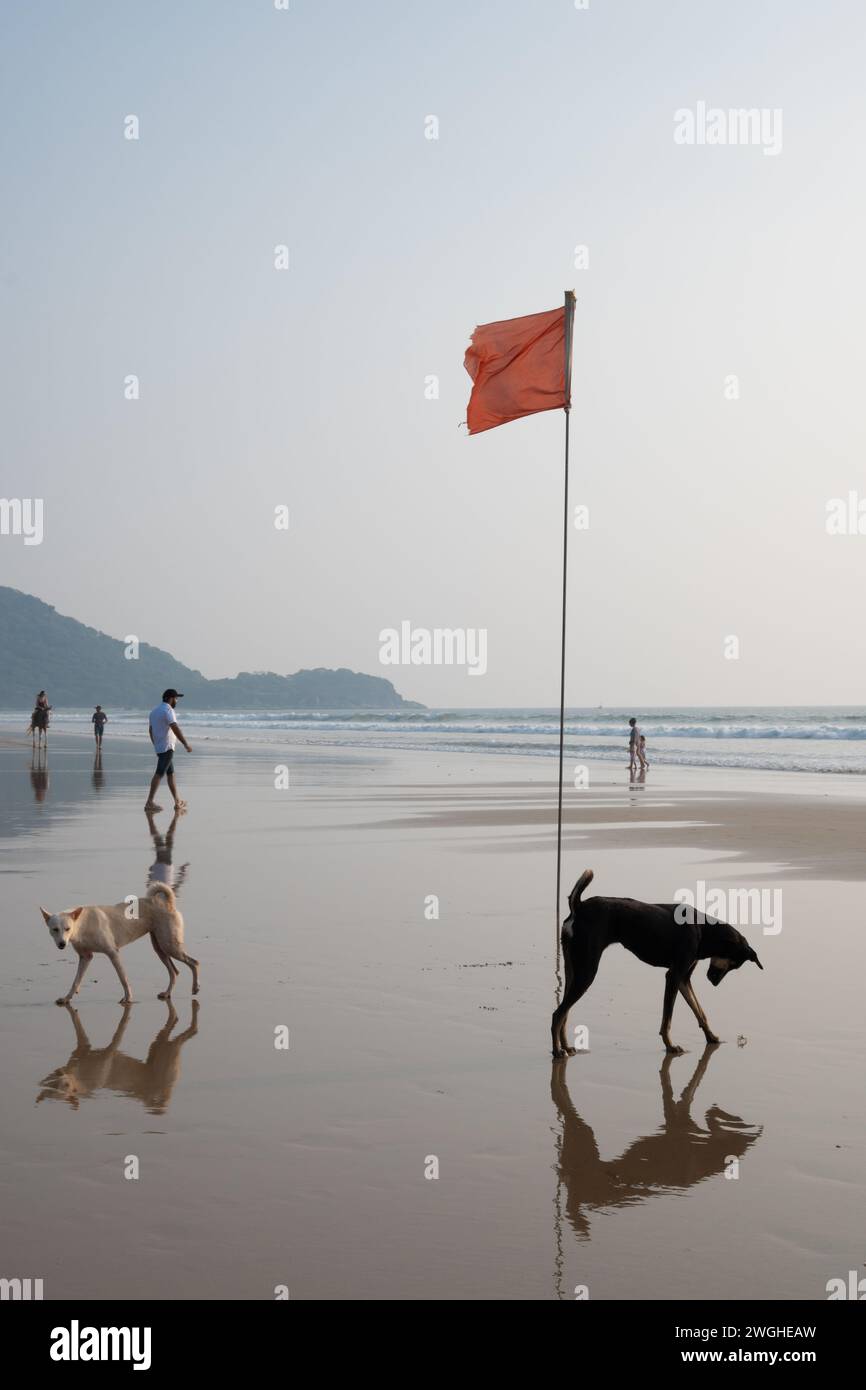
(169, 935)
(672, 984)
(114, 957)
(170, 966)
(173, 973)
(692, 1000)
(180, 954)
(83, 961)
(579, 975)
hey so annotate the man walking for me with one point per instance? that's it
(164, 734)
(633, 745)
(99, 721)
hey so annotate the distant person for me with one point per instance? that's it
(633, 744)
(99, 721)
(641, 753)
(164, 734)
(39, 717)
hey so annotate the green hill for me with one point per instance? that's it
(78, 666)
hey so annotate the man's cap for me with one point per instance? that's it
(172, 694)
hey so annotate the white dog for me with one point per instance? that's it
(109, 929)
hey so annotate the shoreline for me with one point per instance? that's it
(602, 770)
(821, 754)
(798, 825)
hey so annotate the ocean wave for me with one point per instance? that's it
(589, 753)
(729, 725)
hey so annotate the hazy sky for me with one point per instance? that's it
(305, 387)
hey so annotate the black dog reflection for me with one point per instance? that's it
(93, 1069)
(679, 1155)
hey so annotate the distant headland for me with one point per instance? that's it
(78, 666)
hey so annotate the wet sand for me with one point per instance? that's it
(413, 1038)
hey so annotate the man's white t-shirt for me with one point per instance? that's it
(161, 718)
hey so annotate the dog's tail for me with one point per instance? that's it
(583, 882)
(162, 895)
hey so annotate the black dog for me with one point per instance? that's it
(669, 935)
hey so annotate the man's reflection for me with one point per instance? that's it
(162, 869)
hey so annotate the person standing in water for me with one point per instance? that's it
(165, 733)
(99, 721)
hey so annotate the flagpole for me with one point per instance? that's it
(569, 335)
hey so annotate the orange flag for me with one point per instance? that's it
(517, 367)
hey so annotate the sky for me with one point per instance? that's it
(718, 350)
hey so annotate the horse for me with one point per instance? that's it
(39, 724)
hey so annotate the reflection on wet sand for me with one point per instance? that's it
(162, 869)
(92, 1069)
(679, 1155)
(98, 774)
(39, 773)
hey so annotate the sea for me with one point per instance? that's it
(819, 738)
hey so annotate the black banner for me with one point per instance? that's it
(159, 1337)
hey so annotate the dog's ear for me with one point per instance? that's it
(75, 913)
(753, 956)
(46, 915)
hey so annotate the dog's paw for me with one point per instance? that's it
(674, 1051)
(712, 1040)
(61, 1002)
(165, 995)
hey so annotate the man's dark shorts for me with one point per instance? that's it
(165, 763)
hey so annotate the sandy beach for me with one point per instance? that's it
(416, 1037)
